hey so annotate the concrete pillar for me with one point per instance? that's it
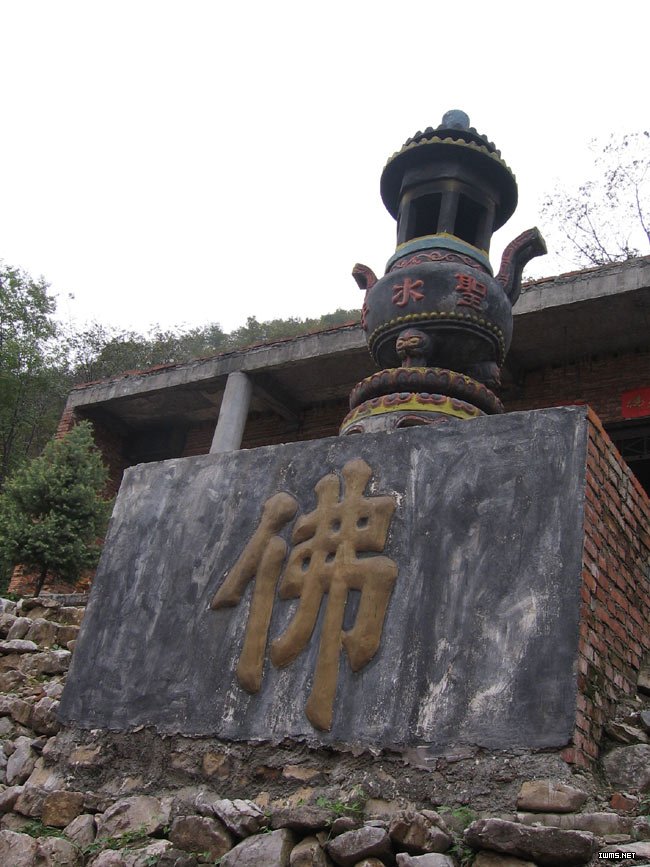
(233, 413)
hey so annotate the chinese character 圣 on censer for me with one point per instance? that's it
(322, 562)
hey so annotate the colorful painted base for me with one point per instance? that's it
(405, 409)
(428, 380)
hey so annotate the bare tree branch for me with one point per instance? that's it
(605, 217)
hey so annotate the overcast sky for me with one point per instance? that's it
(190, 162)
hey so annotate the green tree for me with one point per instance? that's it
(99, 351)
(33, 381)
(52, 512)
(277, 329)
(606, 218)
(41, 360)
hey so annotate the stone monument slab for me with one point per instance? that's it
(406, 588)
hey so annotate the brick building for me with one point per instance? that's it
(582, 337)
(551, 520)
(579, 338)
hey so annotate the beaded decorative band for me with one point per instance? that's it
(436, 380)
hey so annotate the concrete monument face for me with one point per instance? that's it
(419, 587)
(324, 566)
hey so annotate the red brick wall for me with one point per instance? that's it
(321, 420)
(24, 583)
(68, 420)
(198, 439)
(615, 607)
(111, 446)
(598, 382)
(264, 429)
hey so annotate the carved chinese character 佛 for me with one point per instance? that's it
(323, 562)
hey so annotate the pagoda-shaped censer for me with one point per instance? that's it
(438, 322)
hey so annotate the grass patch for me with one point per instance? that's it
(463, 815)
(35, 828)
(130, 839)
(352, 805)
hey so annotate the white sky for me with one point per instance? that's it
(190, 162)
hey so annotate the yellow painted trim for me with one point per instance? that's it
(412, 405)
(480, 250)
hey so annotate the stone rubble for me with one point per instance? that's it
(629, 767)
(79, 803)
(419, 834)
(545, 846)
(241, 817)
(430, 860)
(272, 848)
(352, 846)
(601, 824)
(200, 834)
(494, 859)
(546, 796)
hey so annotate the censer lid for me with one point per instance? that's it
(452, 140)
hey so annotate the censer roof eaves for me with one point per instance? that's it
(432, 142)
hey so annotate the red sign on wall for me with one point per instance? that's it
(635, 403)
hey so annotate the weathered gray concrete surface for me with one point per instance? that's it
(338, 342)
(480, 636)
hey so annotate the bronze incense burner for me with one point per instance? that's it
(438, 322)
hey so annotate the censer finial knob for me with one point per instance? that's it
(455, 119)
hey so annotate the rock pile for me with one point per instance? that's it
(48, 818)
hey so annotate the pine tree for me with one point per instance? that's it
(52, 511)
